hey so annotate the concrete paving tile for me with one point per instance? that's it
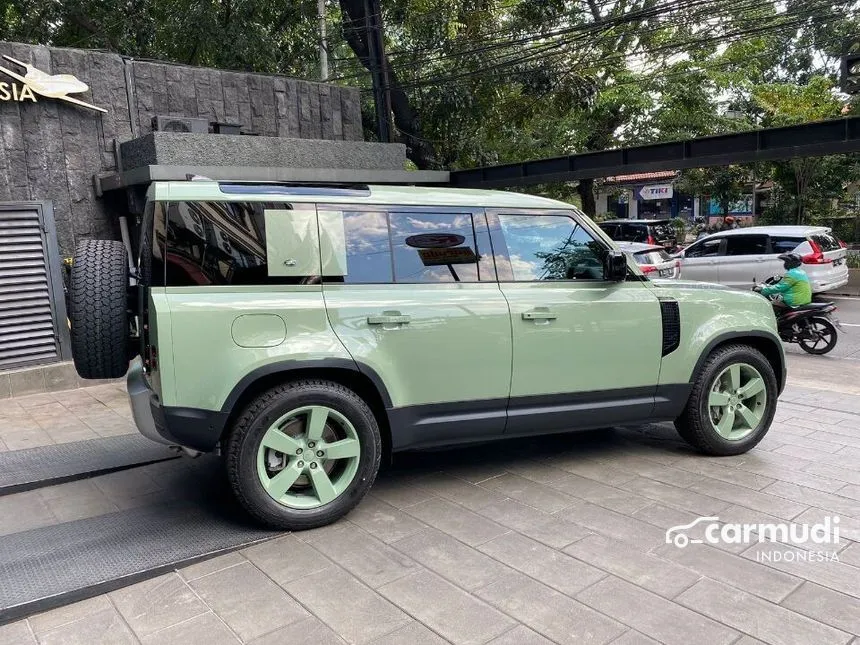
(34, 400)
(249, 602)
(367, 558)
(592, 469)
(656, 574)
(158, 603)
(634, 532)
(286, 558)
(652, 615)
(528, 492)
(758, 618)
(216, 564)
(23, 511)
(751, 499)
(354, 611)
(456, 615)
(104, 627)
(635, 638)
(310, 630)
(3, 446)
(550, 613)
(17, 634)
(205, 629)
(673, 475)
(732, 569)
(817, 441)
(451, 559)
(816, 498)
(611, 497)
(540, 526)
(475, 473)
(457, 521)
(27, 439)
(539, 471)
(837, 439)
(674, 496)
(126, 484)
(453, 489)
(851, 554)
(413, 634)
(69, 435)
(383, 520)
(835, 575)
(561, 572)
(520, 635)
(49, 620)
(69, 510)
(398, 493)
(826, 606)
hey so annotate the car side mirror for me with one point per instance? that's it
(616, 265)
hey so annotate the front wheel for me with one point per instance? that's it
(303, 454)
(732, 403)
(819, 337)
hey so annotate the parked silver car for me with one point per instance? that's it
(739, 257)
(653, 259)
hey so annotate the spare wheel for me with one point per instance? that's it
(98, 309)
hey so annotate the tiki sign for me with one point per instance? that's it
(35, 83)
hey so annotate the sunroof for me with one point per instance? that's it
(341, 190)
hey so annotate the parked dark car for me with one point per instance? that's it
(659, 232)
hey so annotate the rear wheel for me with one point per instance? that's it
(303, 454)
(819, 337)
(98, 309)
(732, 403)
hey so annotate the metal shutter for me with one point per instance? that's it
(27, 330)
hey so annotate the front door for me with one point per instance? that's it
(412, 295)
(700, 261)
(586, 351)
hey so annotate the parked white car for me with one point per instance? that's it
(740, 257)
(653, 259)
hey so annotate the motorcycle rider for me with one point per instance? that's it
(793, 289)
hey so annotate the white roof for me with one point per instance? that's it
(791, 231)
(638, 247)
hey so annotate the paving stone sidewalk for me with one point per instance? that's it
(555, 540)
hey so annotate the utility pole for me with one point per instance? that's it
(323, 43)
(378, 68)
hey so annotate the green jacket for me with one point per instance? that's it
(794, 288)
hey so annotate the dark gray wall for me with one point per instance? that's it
(50, 150)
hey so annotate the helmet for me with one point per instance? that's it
(791, 260)
(730, 220)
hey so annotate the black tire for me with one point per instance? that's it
(827, 330)
(241, 445)
(694, 425)
(98, 309)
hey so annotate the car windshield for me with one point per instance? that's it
(657, 256)
(826, 241)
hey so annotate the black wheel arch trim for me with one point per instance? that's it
(740, 336)
(291, 366)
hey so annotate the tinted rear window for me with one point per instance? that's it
(651, 257)
(826, 241)
(784, 244)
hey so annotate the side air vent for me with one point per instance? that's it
(671, 325)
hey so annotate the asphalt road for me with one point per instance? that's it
(839, 370)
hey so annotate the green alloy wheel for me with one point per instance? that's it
(737, 401)
(308, 457)
(303, 454)
(732, 402)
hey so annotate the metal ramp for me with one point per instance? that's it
(55, 565)
(22, 470)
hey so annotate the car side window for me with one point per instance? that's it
(704, 249)
(746, 244)
(440, 247)
(784, 244)
(546, 247)
(638, 233)
(221, 243)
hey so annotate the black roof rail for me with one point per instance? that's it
(293, 188)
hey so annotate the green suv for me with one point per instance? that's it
(309, 331)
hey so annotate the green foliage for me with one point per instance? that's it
(724, 184)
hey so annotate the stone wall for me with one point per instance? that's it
(50, 150)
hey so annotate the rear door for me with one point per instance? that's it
(412, 294)
(699, 261)
(744, 261)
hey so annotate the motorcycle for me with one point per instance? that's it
(811, 326)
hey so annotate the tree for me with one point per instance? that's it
(724, 184)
